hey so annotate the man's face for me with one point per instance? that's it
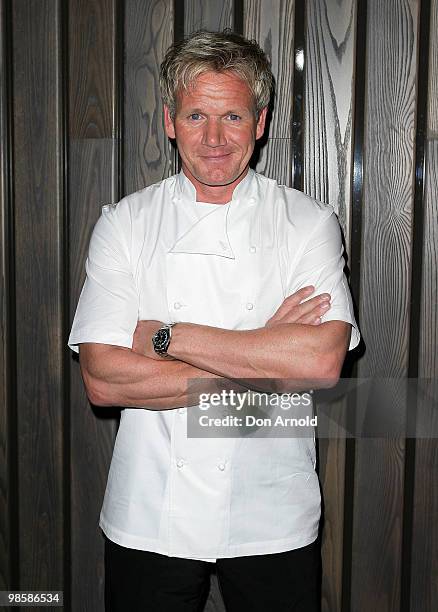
(215, 129)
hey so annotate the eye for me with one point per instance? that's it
(233, 117)
(195, 116)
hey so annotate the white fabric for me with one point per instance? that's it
(159, 254)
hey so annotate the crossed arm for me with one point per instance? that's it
(293, 347)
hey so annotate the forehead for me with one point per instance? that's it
(217, 89)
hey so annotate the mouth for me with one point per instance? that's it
(215, 157)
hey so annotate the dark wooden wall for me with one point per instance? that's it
(355, 124)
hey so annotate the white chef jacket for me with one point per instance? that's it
(159, 254)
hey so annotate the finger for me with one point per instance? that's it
(293, 301)
(317, 311)
(311, 319)
(300, 295)
(318, 299)
(314, 307)
(314, 304)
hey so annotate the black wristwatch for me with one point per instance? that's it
(161, 339)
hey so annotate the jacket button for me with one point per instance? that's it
(177, 305)
(221, 467)
(180, 463)
(252, 249)
(249, 306)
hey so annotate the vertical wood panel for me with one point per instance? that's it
(272, 159)
(385, 290)
(433, 73)
(92, 50)
(214, 15)
(424, 582)
(149, 156)
(38, 214)
(271, 24)
(330, 53)
(328, 128)
(92, 183)
(92, 170)
(5, 280)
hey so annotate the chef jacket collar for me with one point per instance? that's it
(185, 188)
(209, 236)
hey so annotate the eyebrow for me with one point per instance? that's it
(191, 111)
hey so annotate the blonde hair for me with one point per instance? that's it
(205, 51)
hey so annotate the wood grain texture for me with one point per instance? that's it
(5, 486)
(331, 472)
(213, 15)
(92, 50)
(273, 159)
(432, 123)
(424, 580)
(428, 357)
(148, 155)
(329, 85)
(385, 290)
(92, 184)
(93, 172)
(328, 128)
(38, 215)
(272, 25)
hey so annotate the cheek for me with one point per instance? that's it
(246, 145)
(187, 141)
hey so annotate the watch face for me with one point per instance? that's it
(160, 340)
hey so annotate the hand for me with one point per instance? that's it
(295, 310)
(142, 339)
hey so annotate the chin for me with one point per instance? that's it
(217, 178)
(217, 183)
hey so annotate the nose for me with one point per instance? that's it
(214, 135)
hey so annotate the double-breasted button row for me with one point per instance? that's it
(181, 463)
(178, 305)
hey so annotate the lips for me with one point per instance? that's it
(215, 156)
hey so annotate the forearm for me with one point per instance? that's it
(303, 356)
(116, 376)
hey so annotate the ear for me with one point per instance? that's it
(168, 123)
(261, 123)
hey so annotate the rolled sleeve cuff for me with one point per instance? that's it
(341, 316)
(98, 337)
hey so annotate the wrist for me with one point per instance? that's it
(176, 345)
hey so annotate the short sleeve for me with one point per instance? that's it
(321, 264)
(107, 311)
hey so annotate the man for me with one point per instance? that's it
(208, 274)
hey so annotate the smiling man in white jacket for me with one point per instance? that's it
(208, 274)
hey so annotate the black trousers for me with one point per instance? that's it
(137, 580)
